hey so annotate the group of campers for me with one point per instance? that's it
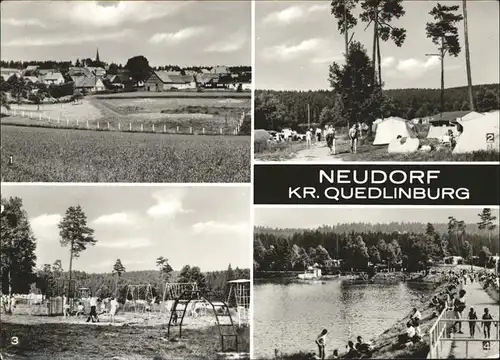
(358, 350)
(329, 133)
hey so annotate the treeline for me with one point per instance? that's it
(51, 280)
(275, 110)
(360, 227)
(286, 250)
(61, 65)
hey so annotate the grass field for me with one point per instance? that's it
(60, 155)
(177, 94)
(40, 338)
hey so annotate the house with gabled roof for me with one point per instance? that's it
(7, 73)
(53, 78)
(167, 80)
(88, 84)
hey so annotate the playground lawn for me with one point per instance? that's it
(57, 341)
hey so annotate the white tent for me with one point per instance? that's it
(437, 132)
(391, 128)
(471, 116)
(480, 133)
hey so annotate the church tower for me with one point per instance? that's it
(97, 60)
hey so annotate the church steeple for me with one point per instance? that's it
(97, 56)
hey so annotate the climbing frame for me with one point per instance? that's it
(240, 291)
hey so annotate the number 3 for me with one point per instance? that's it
(14, 340)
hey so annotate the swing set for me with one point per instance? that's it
(139, 297)
(240, 291)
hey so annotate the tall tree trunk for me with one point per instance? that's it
(379, 62)
(70, 267)
(467, 56)
(346, 35)
(442, 78)
(374, 52)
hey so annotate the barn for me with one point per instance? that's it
(165, 80)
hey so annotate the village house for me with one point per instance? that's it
(79, 71)
(31, 79)
(97, 71)
(167, 80)
(88, 84)
(222, 70)
(113, 81)
(6, 73)
(53, 78)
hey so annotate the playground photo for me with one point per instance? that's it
(125, 273)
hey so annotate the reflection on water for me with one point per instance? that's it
(289, 317)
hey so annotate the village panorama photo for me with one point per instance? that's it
(126, 91)
(386, 80)
(127, 272)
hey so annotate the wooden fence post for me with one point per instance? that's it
(203, 130)
(220, 131)
(177, 129)
(153, 127)
(108, 125)
(165, 128)
(130, 126)
(190, 130)
(142, 127)
(119, 126)
(98, 125)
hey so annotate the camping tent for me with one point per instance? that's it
(480, 133)
(260, 139)
(391, 128)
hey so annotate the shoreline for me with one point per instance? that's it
(383, 342)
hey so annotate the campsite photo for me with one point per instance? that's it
(380, 283)
(376, 80)
(125, 273)
(126, 91)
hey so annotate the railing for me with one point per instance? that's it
(38, 118)
(439, 335)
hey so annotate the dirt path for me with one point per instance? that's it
(318, 152)
(477, 297)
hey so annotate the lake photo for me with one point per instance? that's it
(290, 317)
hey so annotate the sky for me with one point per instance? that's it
(204, 226)
(296, 41)
(166, 32)
(298, 217)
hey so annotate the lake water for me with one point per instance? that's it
(289, 317)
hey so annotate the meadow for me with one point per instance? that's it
(52, 338)
(68, 155)
(147, 114)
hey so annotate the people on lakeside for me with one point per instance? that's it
(352, 353)
(363, 348)
(459, 306)
(93, 309)
(321, 342)
(309, 134)
(318, 134)
(66, 306)
(472, 324)
(335, 354)
(416, 315)
(486, 325)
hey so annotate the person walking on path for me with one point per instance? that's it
(472, 324)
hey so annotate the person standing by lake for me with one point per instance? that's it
(309, 135)
(321, 342)
(486, 324)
